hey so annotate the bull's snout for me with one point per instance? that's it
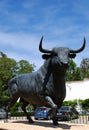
(57, 63)
(65, 64)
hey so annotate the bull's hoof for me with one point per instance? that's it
(31, 121)
(55, 121)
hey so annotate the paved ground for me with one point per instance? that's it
(40, 125)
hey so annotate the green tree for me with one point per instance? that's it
(85, 67)
(9, 67)
(23, 66)
(6, 64)
(73, 73)
(85, 104)
(72, 103)
(5, 74)
(78, 74)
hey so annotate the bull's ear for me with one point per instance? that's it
(45, 56)
(72, 55)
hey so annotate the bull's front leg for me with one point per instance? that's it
(54, 109)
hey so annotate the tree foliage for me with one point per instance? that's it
(74, 72)
(72, 103)
(9, 67)
(84, 103)
(85, 67)
(23, 66)
(6, 64)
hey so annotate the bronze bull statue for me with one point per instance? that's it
(45, 87)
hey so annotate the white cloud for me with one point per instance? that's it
(21, 46)
(25, 46)
(22, 28)
(18, 40)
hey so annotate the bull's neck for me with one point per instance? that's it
(54, 83)
(45, 67)
(58, 74)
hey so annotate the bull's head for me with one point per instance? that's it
(60, 55)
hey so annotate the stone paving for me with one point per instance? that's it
(40, 125)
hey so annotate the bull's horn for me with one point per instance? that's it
(41, 49)
(81, 49)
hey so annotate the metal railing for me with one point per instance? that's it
(80, 120)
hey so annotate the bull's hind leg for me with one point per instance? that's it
(10, 105)
(13, 97)
(54, 109)
(24, 105)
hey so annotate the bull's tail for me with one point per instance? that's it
(5, 87)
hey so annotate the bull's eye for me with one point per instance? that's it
(54, 53)
(72, 55)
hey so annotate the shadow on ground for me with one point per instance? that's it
(45, 124)
(2, 129)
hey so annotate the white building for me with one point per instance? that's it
(77, 90)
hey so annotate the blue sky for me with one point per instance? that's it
(62, 23)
